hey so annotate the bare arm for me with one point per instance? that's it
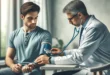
(10, 54)
(10, 60)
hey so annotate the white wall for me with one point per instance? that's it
(60, 25)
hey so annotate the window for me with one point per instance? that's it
(3, 27)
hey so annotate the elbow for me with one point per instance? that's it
(78, 58)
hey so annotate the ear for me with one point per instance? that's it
(22, 16)
(80, 15)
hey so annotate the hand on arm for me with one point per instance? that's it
(57, 51)
(42, 59)
(16, 67)
(28, 68)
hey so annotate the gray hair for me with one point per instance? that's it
(74, 7)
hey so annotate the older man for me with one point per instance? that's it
(94, 49)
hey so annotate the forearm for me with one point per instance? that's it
(75, 58)
(69, 52)
(9, 61)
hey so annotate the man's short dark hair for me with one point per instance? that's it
(75, 7)
(29, 7)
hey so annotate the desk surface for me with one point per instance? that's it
(57, 67)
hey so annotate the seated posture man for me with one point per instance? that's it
(94, 49)
(26, 43)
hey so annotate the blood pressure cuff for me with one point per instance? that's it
(45, 48)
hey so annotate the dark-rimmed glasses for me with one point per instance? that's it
(72, 17)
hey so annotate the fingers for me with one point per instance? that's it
(40, 61)
(26, 69)
(55, 50)
(19, 66)
(40, 58)
(43, 60)
(31, 65)
(16, 68)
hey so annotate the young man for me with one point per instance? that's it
(26, 43)
(94, 49)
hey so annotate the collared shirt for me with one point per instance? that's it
(85, 23)
(82, 28)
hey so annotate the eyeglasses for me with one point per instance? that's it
(72, 17)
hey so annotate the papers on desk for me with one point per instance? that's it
(58, 67)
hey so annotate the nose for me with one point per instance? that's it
(33, 21)
(70, 22)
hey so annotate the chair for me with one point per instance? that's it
(100, 69)
(2, 64)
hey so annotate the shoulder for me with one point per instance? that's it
(97, 25)
(15, 32)
(43, 31)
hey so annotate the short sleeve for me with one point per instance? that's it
(47, 37)
(11, 40)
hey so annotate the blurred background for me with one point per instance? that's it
(51, 18)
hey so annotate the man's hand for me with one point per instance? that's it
(16, 67)
(28, 68)
(42, 59)
(55, 50)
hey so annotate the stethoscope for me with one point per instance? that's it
(75, 34)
